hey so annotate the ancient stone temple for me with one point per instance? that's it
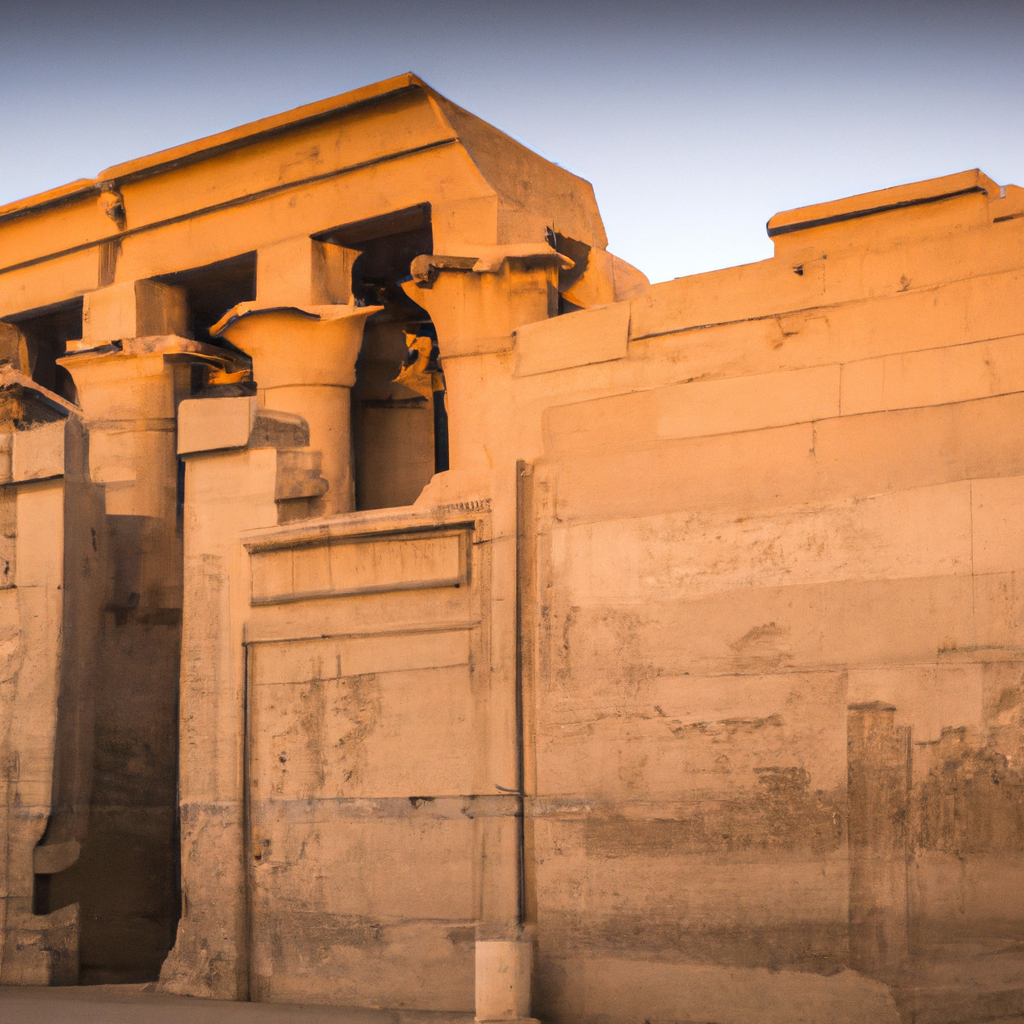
(406, 604)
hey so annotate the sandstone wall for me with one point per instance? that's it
(703, 662)
(778, 676)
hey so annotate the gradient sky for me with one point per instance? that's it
(694, 121)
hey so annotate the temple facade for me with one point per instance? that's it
(404, 603)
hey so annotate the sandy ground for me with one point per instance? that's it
(139, 1004)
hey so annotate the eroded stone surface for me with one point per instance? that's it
(672, 632)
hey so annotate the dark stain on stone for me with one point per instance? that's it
(726, 727)
(812, 946)
(761, 646)
(782, 814)
(464, 935)
(970, 803)
(313, 936)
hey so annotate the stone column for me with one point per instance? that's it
(304, 362)
(476, 304)
(35, 948)
(129, 392)
(239, 469)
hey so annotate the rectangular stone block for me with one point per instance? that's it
(743, 631)
(589, 336)
(39, 551)
(725, 471)
(303, 272)
(375, 613)
(997, 510)
(357, 961)
(591, 988)
(683, 906)
(999, 614)
(927, 698)
(209, 424)
(697, 409)
(749, 403)
(926, 531)
(675, 734)
(134, 309)
(846, 456)
(38, 454)
(934, 376)
(391, 716)
(359, 566)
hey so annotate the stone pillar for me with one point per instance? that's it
(129, 393)
(476, 304)
(304, 362)
(35, 949)
(241, 465)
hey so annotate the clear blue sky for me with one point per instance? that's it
(694, 121)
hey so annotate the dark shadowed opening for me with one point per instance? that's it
(212, 290)
(400, 434)
(47, 332)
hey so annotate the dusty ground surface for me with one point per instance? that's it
(139, 1004)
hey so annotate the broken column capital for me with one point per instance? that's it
(487, 259)
(13, 347)
(32, 421)
(304, 362)
(477, 301)
(295, 345)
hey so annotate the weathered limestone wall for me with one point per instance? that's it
(379, 726)
(228, 489)
(342, 729)
(778, 663)
(702, 663)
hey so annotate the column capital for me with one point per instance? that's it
(297, 344)
(129, 395)
(304, 362)
(477, 300)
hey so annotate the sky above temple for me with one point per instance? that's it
(694, 121)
